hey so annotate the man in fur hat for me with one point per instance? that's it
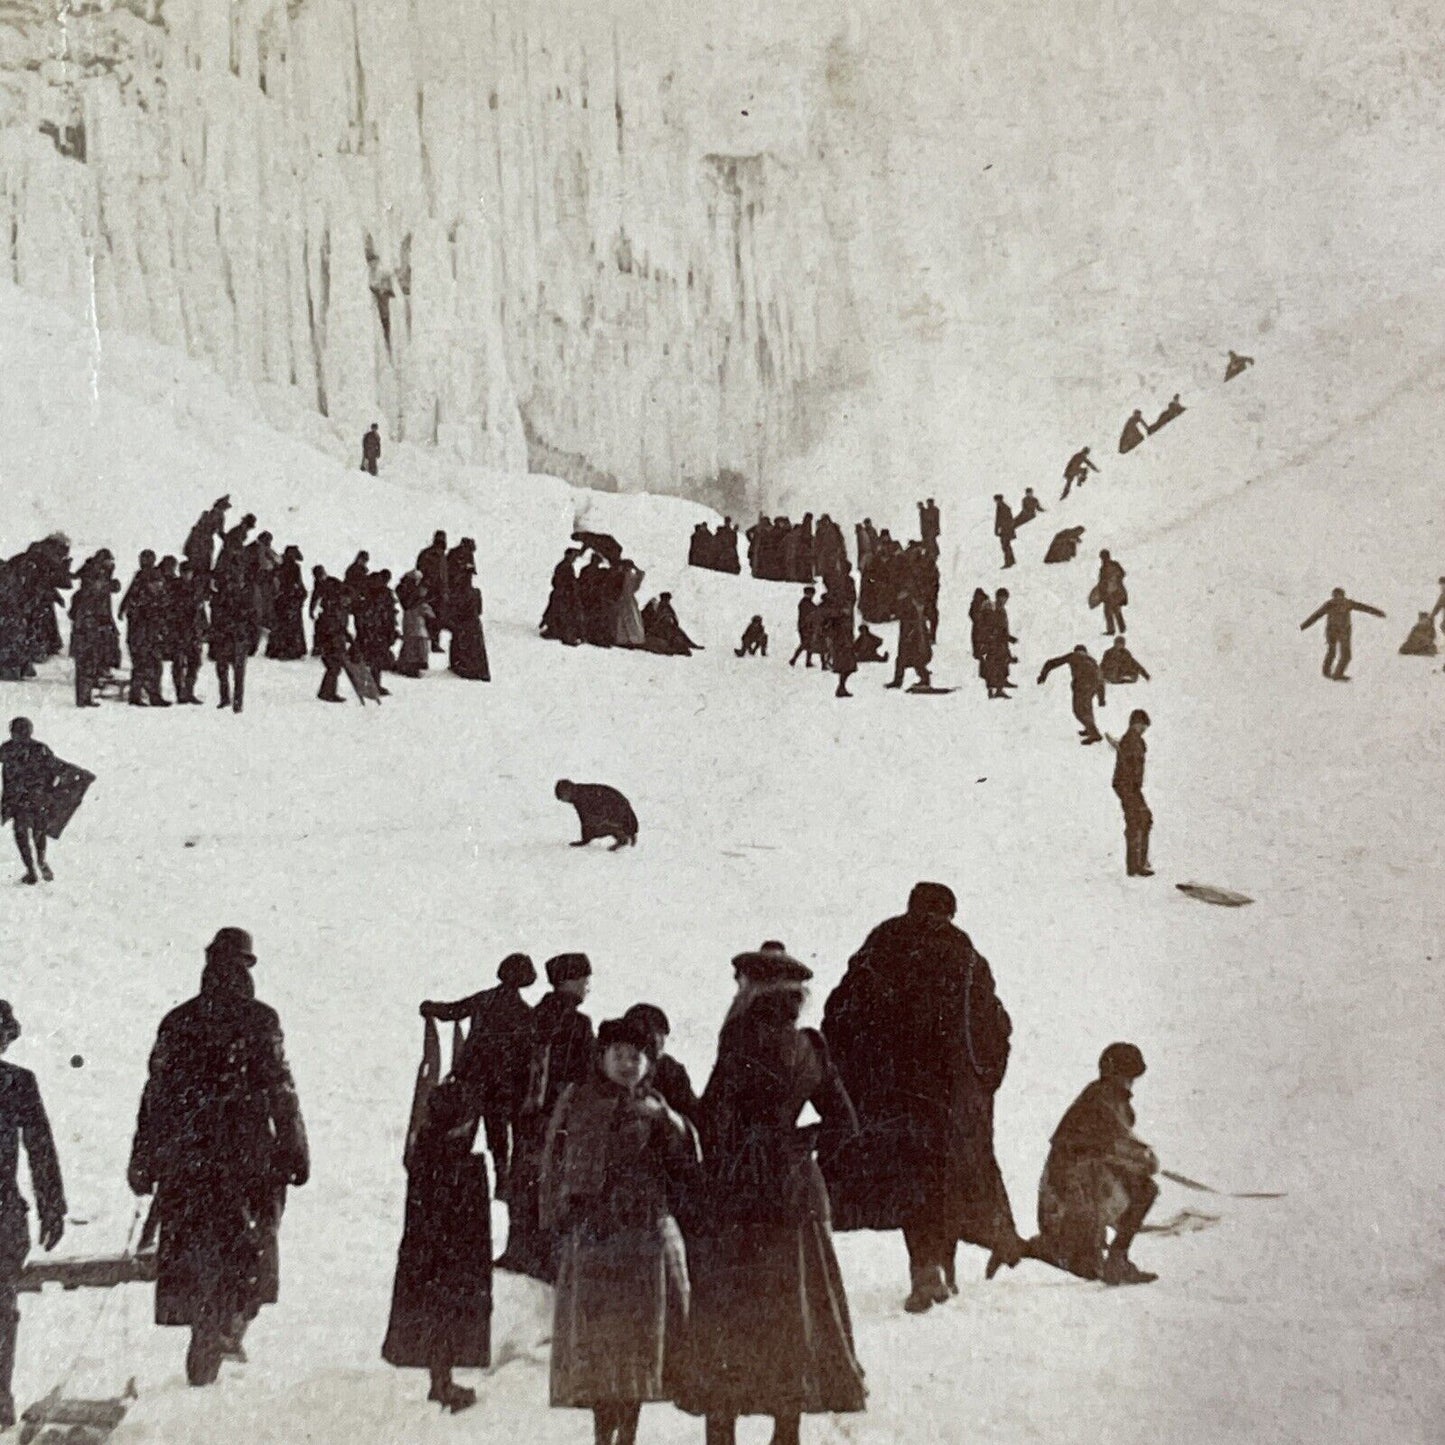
(921, 1042)
(22, 1119)
(218, 1139)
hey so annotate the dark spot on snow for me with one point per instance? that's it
(76, 1062)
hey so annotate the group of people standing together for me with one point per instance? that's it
(597, 604)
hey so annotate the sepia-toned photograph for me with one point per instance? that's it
(585, 956)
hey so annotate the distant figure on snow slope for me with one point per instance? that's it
(1336, 613)
(602, 811)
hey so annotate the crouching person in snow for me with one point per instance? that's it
(622, 1287)
(754, 640)
(22, 1117)
(1098, 1177)
(218, 1139)
(602, 811)
(441, 1303)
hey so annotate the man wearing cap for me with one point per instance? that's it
(921, 1042)
(497, 1055)
(1099, 1177)
(22, 1118)
(562, 1054)
(218, 1139)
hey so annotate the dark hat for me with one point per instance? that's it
(233, 943)
(564, 967)
(627, 1030)
(9, 1024)
(293, 554)
(517, 971)
(650, 1017)
(1121, 1061)
(772, 963)
(933, 898)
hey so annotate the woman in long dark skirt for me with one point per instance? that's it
(469, 646)
(287, 641)
(441, 1305)
(770, 1329)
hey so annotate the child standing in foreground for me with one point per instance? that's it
(622, 1287)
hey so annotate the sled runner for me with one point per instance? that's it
(56, 1420)
(65, 797)
(1206, 893)
(1186, 1221)
(98, 1271)
(1189, 1183)
(361, 678)
(930, 691)
(1094, 598)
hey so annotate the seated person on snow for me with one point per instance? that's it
(754, 641)
(1421, 641)
(868, 646)
(1098, 1177)
(1118, 665)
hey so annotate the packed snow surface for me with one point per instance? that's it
(383, 855)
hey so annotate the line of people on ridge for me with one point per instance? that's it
(689, 1238)
(227, 594)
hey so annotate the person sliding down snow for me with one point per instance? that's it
(1029, 508)
(1118, 665)
(1170, 412)
(1337, 631)
(1421, 641)
(1135, 430)
(754, 640)
(1098, 1177)
(602, 811)
(29, 770)
(1236, 364)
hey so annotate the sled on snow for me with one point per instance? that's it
(97, 1271)
(1207, 893)
(929, 691)
(1188, 1183)
(363, 680)
(61, 1420)
(65, 796)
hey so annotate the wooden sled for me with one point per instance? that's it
(56, 1420)
(362, 680)
(65, 797)
(99, 1271)
(929, 691)
(113, 685)
(1207, 893)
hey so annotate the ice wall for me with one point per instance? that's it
(492, 224)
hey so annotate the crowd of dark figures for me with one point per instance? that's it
(230, 594)
(596, 603)
(688, 1237)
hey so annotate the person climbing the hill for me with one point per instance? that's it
(602, 812)
(1077, 469)
(1236, 364)
(1111, 593)
(1135, 430)
(29, 770)
(371, 449)
(808, 645)
(1087, 687)
(199, 549)
(1004, 527)
(1130, 752)
(1099, 1176)
(1119, 666)
(1336, 613)
(754, 640)
(22, 1120)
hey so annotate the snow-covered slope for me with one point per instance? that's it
(383, 855)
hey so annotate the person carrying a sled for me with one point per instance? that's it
(22, 1120)
(29, 769)
(1336, 613)
(1112, 595)
(1099, 1177)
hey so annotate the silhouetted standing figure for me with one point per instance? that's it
(602, 812)
(431, 562)
(1130, 752)
(1004, 527)
(930, 522)
(1113, 597)
(1336, 613)
(287, 642)
(1086, 685)
(28, 769)
(22, 1121)
(921, 1043)
(233, 623)
(808, 646)
(1236, 364)
(915, 651)
(562, 619)
(333, 637)
(218, 1140)
(468, 657)
(1135, 430)
(1077, 469)
(371, 449)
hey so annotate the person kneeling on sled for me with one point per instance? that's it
(1099, 1176)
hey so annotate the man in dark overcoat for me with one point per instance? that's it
(921, 1043)
(218, 1140)
(22, 1119)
